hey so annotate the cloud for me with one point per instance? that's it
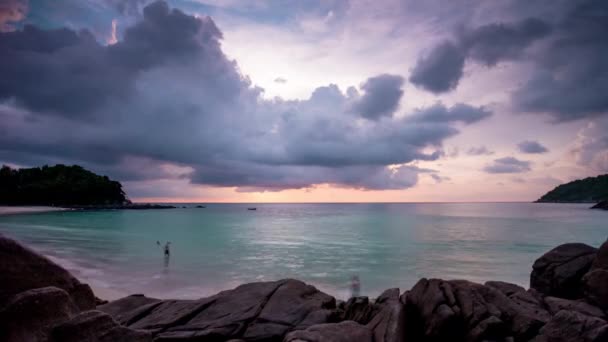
(166, 94)
(381, 97)
(570, 79)
(508, 165)
(479, 151)
(460, 112)
(590, 148)
(12, 11)
(530, 146)
(442, 68)
(280, 80)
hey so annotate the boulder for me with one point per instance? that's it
(569, 326)
(347, 331)
(253, 312)
(121, 308)
(556, 305)
(289, 305)
(358, 309)
(96, 326)
(601, 258)
(388, 323)
(559, 272)
(595, 284)
(458, 310)
(23, 269)
(227, 314)
(30, 315)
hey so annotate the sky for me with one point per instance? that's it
(309, 101)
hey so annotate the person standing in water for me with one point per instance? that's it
(355, 286)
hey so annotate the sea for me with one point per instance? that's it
(385, 245)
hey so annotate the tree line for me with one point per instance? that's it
(58, 185)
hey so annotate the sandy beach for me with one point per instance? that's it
(9, 210)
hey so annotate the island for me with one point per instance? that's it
(588, 190)
(64, 186)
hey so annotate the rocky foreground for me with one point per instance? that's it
(567, 301)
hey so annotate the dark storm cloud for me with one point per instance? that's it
(69, 73)
(167, 95)
(441, 70)
(508, 165)
(530, 146)
(570, 69)
(460, 112)
(381, 98)
(571, 78)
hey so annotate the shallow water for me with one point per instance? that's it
(223, 245)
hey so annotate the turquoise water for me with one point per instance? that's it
(387, 245)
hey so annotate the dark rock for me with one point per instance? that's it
(387, 325)
(506, 288)
(226, 314)
(559, 272)
(93, 326)
(23, 269)
(568, 326)
(30, 315)
(122, 308)
(347, 331)
(601, 258)
(168, 314)
(595, 284)
(458, 310)
(358, 309)
(289, 305)
(555, 305)
(601, 205)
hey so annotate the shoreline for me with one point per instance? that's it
(566, 301)
(17, 210)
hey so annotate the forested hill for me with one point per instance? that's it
(592, 189)
(58, 185)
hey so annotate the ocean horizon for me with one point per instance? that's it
(325, 244)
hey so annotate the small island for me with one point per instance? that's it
(64, 186)
(588, 190)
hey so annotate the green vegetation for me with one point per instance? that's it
(58, 185)
(592, 189)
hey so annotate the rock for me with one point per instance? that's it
(601, 205)
(555, 305)
(30, 315)
(388, 324)
(458, 310)
(559, 272)
(289, 305)
(358, 309)
(254, 312)
(601, 258)
(23, 269)
(96, 326)
(227, 314)
(568, 326)
(595, 284)
(120, 308)
(347, 331)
